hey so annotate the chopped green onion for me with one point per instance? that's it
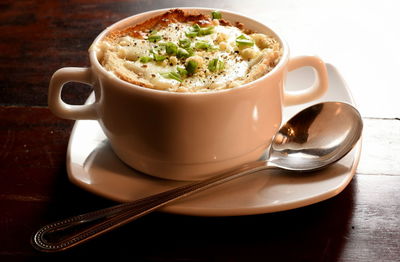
(156, 53)
(196, 28)
(190, 51)
(171, 48)
(191, 67)
(182, 71)
(194, 31)
(216, 15)
(206, 31)
(154, 38)
(159, 58)
(145, 59)
(172, 75)
(184, 43)
(244, 41)
(191, 34)
(202, 45)
(158, 49)
(182, 53)
(205, 45)
(216, 65)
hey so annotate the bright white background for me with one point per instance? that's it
(360, 38)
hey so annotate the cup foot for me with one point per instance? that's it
(188, 171)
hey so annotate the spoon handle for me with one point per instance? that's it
(72, 231)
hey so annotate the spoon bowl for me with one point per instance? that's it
(315, 138)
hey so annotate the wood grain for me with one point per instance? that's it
(39, 37)
(381, 147)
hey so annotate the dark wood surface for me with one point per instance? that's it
(37, 37)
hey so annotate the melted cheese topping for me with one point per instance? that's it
(124, 57)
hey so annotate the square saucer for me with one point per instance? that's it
(92, 165)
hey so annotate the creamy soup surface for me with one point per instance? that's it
(178, 52)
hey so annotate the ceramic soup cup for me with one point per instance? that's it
(187, 136)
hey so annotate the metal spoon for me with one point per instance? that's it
(313, 139)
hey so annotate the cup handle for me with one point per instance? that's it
(316, 90)
(57, 82)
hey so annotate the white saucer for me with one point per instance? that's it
(93, 166)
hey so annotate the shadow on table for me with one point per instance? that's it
(313, 233)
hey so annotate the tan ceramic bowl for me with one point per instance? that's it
(186, 136)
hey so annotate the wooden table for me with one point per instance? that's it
(360, 224)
